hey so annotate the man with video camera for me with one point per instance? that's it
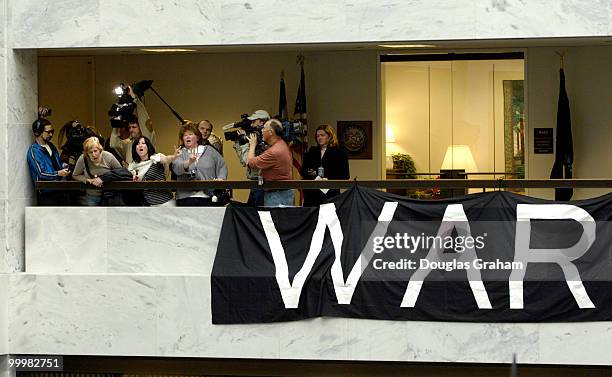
(241, 146)
(138, 125)
(275, 163)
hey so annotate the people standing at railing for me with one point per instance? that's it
(151, 166)
(93, 163)
(44, 160)
(256, 195)
(274, 163)
(197, 162)
(138, 125)
(208, 137)
(324, 161)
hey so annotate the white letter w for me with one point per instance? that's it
(327, 218)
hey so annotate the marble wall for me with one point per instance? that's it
(101, 23)
(122, 240)
(134, 288)
(169, 316)
(19, 111)
(3, 315)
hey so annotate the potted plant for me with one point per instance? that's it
(403, 162)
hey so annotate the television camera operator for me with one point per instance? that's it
(138, 124)
(71, 136)
(275, 162)
(247, 125)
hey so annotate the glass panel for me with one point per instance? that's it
(458, 115)
(441, 112)
(406, 101)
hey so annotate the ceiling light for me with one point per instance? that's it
(168, 49)
(407, 46)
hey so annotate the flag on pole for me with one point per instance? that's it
(282, 99)
(300, 142)
(300, 115)
(564, 151)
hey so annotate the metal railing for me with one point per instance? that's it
(341, 184)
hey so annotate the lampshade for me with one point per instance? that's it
(390, 136)
(459, 157)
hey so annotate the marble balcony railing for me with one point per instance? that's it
(136, 282)
(122, 240)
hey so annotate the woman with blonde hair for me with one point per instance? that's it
(94, 162)
(324, 161)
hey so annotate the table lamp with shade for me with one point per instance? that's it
(457, 161)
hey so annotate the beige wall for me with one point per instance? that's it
(589, 88)
(343, 86)
(219, 87)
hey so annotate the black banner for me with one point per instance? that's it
(490, 257)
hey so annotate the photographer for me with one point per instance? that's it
(138, 125)
(275, 163)
(258, 118)
(44, 160)
(74, 134)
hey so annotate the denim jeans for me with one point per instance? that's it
(91, 200)
(281, 198)
(256, 197)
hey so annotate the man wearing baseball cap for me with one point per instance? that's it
(258, 118)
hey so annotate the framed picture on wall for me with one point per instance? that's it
(355, 138)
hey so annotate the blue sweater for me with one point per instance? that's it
(42, 166)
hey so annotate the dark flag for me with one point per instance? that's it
(564, 150)
(282, 99)
(299, 146)
(300, 101)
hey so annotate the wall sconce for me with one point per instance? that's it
(390, 136)
(389, 146)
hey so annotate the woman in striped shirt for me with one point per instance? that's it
(150, 166)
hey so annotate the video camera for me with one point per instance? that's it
(75, 134)
(230, 131)
(123, 110)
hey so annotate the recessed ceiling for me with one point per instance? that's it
(357, 46)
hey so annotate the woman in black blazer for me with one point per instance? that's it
(326, 160)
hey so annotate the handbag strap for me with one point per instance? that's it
(87, 167)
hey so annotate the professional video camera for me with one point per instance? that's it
(121, 111)
(75, 135)
(230, 131)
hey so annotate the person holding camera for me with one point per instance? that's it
(258, 118)
(196, 162)
(274, 163)
(138, 125)
(71, 137)
(44, 160)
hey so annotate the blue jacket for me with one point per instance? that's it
(42, 166)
